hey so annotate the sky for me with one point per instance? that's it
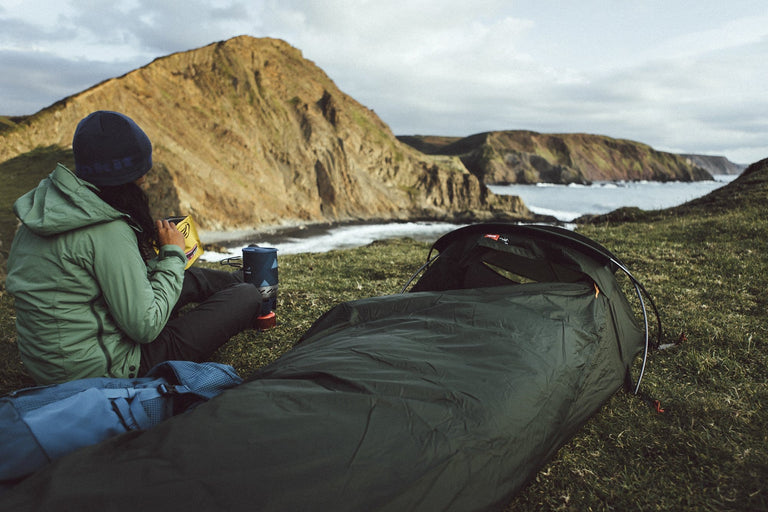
(681, 76)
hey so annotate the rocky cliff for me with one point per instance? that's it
(520, 156)
(247, 133)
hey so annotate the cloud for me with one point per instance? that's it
(713, 99)
(710, 100)
(736, 33)
(156, 28)
(18, 32)
(69, 48)
(416, 39)
(417, 63)
(33, 80)
(651, 71)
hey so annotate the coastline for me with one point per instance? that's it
(323, 237)
(548, 204)
(285, 231)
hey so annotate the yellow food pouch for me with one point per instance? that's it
(192, 246)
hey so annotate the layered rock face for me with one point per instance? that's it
(248, 133)
(521, 156)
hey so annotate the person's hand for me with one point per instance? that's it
(168, 234)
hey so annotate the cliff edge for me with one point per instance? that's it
(523, 156)
(247, 133)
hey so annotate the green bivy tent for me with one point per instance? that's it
(449, 396)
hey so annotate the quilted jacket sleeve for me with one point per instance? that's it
(140, 298)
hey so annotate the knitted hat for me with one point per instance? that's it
(110, 149)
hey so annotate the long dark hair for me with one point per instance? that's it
(130, 198)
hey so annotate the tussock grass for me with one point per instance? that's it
(705, 266)
(708, 450)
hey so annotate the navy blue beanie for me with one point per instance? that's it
(110, 149)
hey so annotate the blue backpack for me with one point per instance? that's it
(41, 424)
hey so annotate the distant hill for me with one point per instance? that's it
(247, 133)
(522, 156)
(715, 164)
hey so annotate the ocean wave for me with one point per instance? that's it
(560, 215)
(339, 237)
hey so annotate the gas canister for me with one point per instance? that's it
(261, 270)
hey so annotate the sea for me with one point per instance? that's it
(564, 202)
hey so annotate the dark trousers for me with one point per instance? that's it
(225, 307)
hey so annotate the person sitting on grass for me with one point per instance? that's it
(98, 283)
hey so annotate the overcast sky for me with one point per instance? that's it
(682, 76)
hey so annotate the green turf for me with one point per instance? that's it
(705, 266)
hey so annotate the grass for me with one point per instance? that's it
(310, 284)
(707, 451)
(705, 266)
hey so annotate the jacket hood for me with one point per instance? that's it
(63, 202)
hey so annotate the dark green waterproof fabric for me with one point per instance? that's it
(427, 401)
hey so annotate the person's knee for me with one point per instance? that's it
(246, 294)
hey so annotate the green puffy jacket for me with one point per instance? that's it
(85, 299)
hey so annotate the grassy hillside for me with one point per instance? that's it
(20, 175)
(704, 263)
(8, 123)
(705, 266)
